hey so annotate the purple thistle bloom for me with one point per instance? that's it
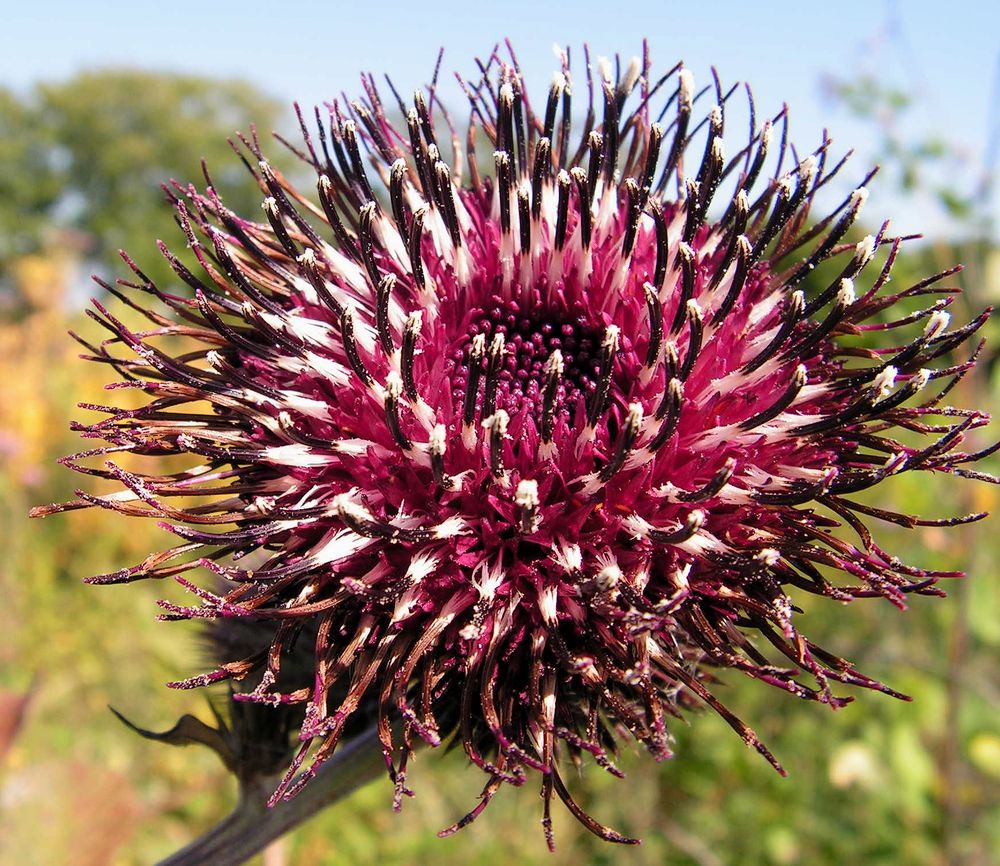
(529, 456)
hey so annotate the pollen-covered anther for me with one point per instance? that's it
(552, 374)
(476, 353)
(768, 556)
(527, 501)
(598, 400)
(437, 446)
(496, 428)
(626, 440)
(393, 391)
(884, 382)
(936, 325)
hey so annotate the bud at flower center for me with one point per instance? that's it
(529, 338)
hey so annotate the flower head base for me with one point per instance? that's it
(528, 455)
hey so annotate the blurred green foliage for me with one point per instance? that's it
(879, 782)
(91, 152)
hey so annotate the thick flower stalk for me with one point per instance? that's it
(529, 454)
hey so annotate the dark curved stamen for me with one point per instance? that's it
(692, 523)
(366, 233)
(553, 372)
(626, 439)
(393, 390)
(735, 231)
(609, 156)
(780, 212)
(662, 247)
(652, 155)
(360, 521)
(766, 133)
(595, 142)
(832, 238)
(493, 364)
(655, 313)
(710, 171)
(566, 126)
(538, 174)
(671, 362)
(563, 182)
(496, 424)
(686, 258)
(781, 404)
(416, 236)
(696, 330)
(426, 125)
(346, 242)
(270, 207)
(374, 130)
(845, 298)
(551, 105)
(717, 482)
(447, 194)
(524, 219)
(411, 331)
(239, 279)
(794, 308)
(522, 150)
(349, 134)
(505, 118)
(310, 265)
(501, 160)
(860, 407)
(351, 347)
(669, 411)
(475, 364)
(396, 177)
(437, 445)
(862, 255)
(418, 149)
(580, 176)
(598, 400)
(634, 195)
(692, 205)
(684, 104)
(285, 205)
(784, 210)
(382, 297)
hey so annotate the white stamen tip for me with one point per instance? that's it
(846, 295)
(526, 495)
(865, 249)
(768, 556)
(884, 383)
(436, 441)
(394, 384)
(937, 324)
(685, 85)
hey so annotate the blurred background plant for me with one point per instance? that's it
(880, 782)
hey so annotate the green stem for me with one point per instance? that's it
(252, 825)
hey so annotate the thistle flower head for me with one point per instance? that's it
(528, 450)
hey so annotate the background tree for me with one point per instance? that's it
(90, 154)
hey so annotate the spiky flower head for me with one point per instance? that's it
(529, 453)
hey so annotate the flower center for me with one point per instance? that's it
(529, 339)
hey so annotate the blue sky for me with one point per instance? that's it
(946, 53)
